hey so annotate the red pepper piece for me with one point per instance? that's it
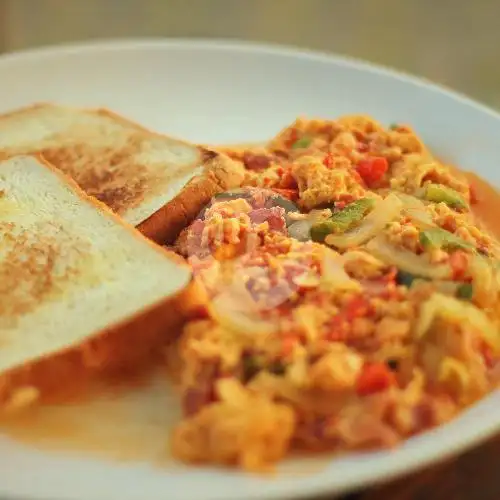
(328, 161)
(358, 307)
(338, 329)
(372, 170)
(290, 194)
(374, 377)
(288, 343)
(287, 181)
(390, 277)
(459, 262)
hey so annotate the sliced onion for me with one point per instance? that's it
(334, 273)
(451, 369)
(416, 211)
(361, 255)
(484, 278)
(420, 218)
(410, 201)
(300, 230)
(458, 312)
(384, 212)
(300, 225)
(418, 265)
(307, 280)
(233, 315)
(362, 265)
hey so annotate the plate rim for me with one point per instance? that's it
(300, 487)
(238, 45)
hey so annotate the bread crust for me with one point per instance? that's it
(219, 174)
(125, 346)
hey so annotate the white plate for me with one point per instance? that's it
(221, 92)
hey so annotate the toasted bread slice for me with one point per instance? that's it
(81, 291)
(152, 181)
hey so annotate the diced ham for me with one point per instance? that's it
(255, 161)
(274, 216)
(197, 227)
(196, 397)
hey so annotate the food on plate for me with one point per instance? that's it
(366, 315)
(342, 220)
(81, 292)
(152, 181)
(334, 289)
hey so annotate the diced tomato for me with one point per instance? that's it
(340, 204)
(358, 307)
(290, 194)
(390, 277)
(339, 325)
(372, 170)
(449, 224)
(337, 335)
(287, 180)
(289, 341)
(459, 262)
(391, 292)
(374, 377)
(328, 161)
(338, 329)
(473, 194)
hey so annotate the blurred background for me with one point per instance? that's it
(454, 42)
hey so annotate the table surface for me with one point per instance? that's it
(471, 476)
(454, 42)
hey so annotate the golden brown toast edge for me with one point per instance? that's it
(220, 173)
(122, 347)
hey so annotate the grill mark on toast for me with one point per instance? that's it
(208, 155)
(34, 268)
(107, 173)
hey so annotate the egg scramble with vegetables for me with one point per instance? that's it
(351, 299)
